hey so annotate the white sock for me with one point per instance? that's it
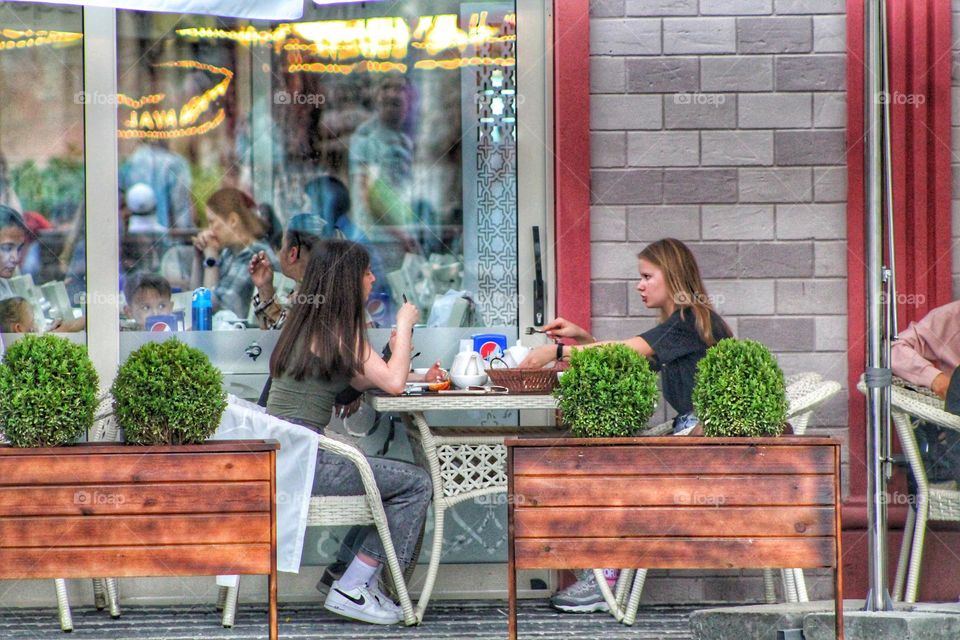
(357, 573)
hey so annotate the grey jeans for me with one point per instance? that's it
(405, 490)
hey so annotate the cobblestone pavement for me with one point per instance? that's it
(445, 619)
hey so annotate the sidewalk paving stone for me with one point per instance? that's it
(445, 619)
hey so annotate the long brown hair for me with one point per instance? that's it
(684, 284)
(325, 332)
(229, 200)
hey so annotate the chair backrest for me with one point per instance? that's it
(806, 392)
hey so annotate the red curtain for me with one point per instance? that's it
(920, 57)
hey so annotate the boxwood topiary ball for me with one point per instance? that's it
(609, 390)
(739, 390)
(168, 393)
(48, 391)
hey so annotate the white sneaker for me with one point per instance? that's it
(385, 600)
(360, 604)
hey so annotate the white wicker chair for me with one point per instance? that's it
(805, 392)
(332, 511)
(910, 404)
(105, 592)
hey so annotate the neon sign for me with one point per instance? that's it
(164, 123)
(384, 43)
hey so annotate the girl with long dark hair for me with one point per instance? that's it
(323, 349)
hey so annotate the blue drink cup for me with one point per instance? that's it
(202, 308)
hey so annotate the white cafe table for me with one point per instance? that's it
(464, 462)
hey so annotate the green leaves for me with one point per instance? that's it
(739, 390)
(608, 390)
(168, 393)
(48, 391)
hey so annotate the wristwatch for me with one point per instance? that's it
(559, 351)
(211, 262)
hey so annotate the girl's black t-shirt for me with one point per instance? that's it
(677, 347)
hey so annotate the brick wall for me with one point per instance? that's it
(721, 122)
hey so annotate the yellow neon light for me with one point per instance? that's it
(28, 38)
(381, 38)
(160, 123)
(197, 130)
(457, 63)
(370, 66)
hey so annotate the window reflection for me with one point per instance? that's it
(42, 250)
(390, 124)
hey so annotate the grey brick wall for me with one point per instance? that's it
(722, 122)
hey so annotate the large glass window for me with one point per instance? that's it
(42, 243)
(392, 124)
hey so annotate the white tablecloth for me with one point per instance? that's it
(296, 463)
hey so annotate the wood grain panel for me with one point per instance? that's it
(590, 522)
(134, 530)
(136, 499)
(175, 560)
(130, 467)
(672, 460)
(675, 553)
(730, 491)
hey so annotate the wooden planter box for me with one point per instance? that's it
(674, 503)
(121, 510)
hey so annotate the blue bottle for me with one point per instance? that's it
(202, 307)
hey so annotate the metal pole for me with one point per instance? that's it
(877, 376)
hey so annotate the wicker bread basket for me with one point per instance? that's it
(524, 380)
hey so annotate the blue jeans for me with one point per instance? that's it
(405, 490)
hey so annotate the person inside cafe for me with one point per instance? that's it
(687, 326)
(16, 316)
(224, 249)
(323, 349)
(146, 295)
(13, 239)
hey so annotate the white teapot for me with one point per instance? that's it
(467, 363)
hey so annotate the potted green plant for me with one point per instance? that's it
(607, 391)
(173, 508)
(48, 392)
(739, 391)
(168, 393)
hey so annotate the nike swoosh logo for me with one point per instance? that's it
(357, 601)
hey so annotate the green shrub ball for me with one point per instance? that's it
(168, 393)
(48, 391)
(739, 391)
(608, 391)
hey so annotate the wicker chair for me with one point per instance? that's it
(333, 511)
(805, 392)
(940, 501)
(105, 592)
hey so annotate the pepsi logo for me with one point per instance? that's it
(160, 326)
(490, 349)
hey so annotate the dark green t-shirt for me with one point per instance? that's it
(308, 402)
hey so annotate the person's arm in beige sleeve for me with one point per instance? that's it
(927, 352)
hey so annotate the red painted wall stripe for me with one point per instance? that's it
(920, 67)
(571, 96)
